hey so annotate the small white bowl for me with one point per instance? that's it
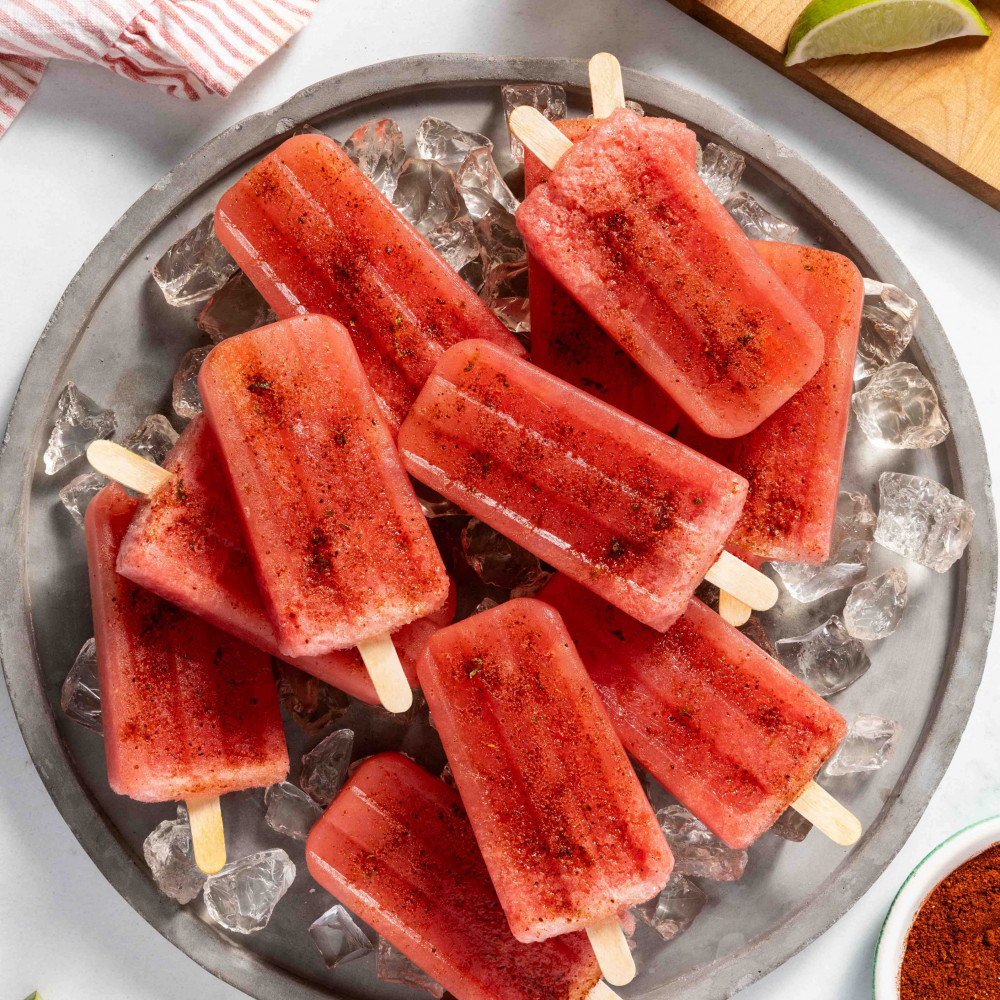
(937, 866)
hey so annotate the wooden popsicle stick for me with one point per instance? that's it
(828, 815)
(611, 948)
(126, 467)
(601, 991)
(539, 135)
(379, 654)
(382, 662)
(744, 582)
(607, 92)
(207, 834)
(732, 609)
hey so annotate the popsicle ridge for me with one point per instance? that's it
(316, 236)
(189, 710)
(397, 847)
(339, 542)
(535, 760)
(625, 224)
(616, 504)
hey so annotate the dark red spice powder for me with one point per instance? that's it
(953, 949)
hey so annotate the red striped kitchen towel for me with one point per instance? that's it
(189, 48)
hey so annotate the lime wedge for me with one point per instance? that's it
(852, 27)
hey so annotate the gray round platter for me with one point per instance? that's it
(115, 336)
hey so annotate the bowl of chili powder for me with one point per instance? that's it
(941, 937)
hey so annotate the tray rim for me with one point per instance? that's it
(967, 458)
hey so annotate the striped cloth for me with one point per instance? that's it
(189, 48)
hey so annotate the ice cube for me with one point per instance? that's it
(235, 308)
(549, 98)
(195, 267)
(243, 895)
(868, 745)
(888, 319)
(439, 140)
(80, 421)
(324, 768)
(186, 396)
(673, 911)
(899, 409)
(170, 857)
(338, 938)
(426, 195)
(636, 107)
(290, 811)
(486, 604)
(447, 776)
(791, 825)
(377, 147)
(847, 564)
(875, 607)
(721, 169)
(152, 439)
(697, 851)
(920, 519)
(456, 242)
(80, 697)
(500, 239)
(434, 505)
(77, 494)
(402, 719)
(392, 966)
(481, 185)
(500, 562)
(829, 659)
(515, 314)
(312, 704)
(756, 221)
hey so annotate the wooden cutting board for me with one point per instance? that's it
(940, 104)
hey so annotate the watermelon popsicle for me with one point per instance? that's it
(396, 848)
(618, 506)
(567, 342)
(628, 228)
(566, 832)
(189, 712)
(793, 460)
(341, 549)
(314, 235)
(721, 725)
(186, 545)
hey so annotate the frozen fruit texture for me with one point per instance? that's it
(920, 519)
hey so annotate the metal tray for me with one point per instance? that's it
(115, 336)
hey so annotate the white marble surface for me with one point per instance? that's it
(89, 144)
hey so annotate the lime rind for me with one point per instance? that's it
(855, 27)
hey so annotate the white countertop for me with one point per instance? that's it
(89, 143)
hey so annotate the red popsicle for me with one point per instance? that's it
(793, 460)
(566, 832)
(567, 342)
(340, 546)
(628, 228)
(315, 236)
(397, 849)
(620, 507)
(722, 726)
(186, 544)
(189, 712)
